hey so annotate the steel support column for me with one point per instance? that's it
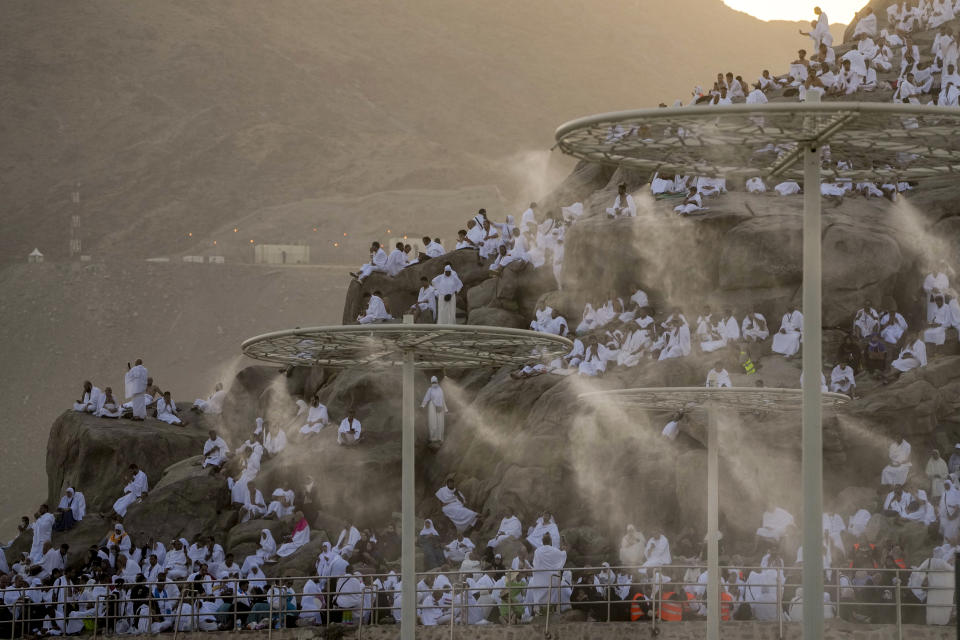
(812, 427)
(713, 527)
(408, 530)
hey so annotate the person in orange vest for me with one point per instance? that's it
(671, 609)
(639, 606)
(726, 606)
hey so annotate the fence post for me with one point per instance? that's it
(270, 609)
(363, 597)
(453, 599)
(780, 607)
(899, 611)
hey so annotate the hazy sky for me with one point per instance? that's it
(837, 10)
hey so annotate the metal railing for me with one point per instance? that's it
(112, 609)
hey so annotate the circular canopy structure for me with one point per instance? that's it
(737, 398)
(873, 141)
(434, 346)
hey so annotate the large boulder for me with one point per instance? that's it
(184, 509)
(93, 454)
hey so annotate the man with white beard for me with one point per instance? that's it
(135, 382)
(90, 400)
(548, 561)
(436, 407)
(447, 285)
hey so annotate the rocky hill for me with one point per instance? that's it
(533, 444)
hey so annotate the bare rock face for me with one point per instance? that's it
(93, 454)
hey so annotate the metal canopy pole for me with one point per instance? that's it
(408, 558)
(812, 366)
(713, 527)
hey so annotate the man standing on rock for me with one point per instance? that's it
(436, 408)
(136, 385)
(447, 285)
(42, 532)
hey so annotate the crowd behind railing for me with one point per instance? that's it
(651, 596)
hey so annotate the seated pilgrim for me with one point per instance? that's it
(776, 523)
(510, 527)
(545, 525)
(378, 263)
(892, 327)
(623, 205)
(215, 450)
(899, 468)
(912, 356)
(90, 399)
(454, 506)
(754, 327)
(299, 537)
(691, 204)
(866, 322)
(456, 550)
(787, 340)
(718, 377)
(317, 417)
(841, 379)
(282, 504)
(897, 502)
(167, 410)
(213, 404)
(108, 406)
(348, 434)
(374, 309)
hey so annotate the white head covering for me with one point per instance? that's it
(428, 529)
(433, 379)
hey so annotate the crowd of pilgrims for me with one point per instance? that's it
(135, 586)
(617, 332)
(922, 77)
(928, 77)
(149, 586)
